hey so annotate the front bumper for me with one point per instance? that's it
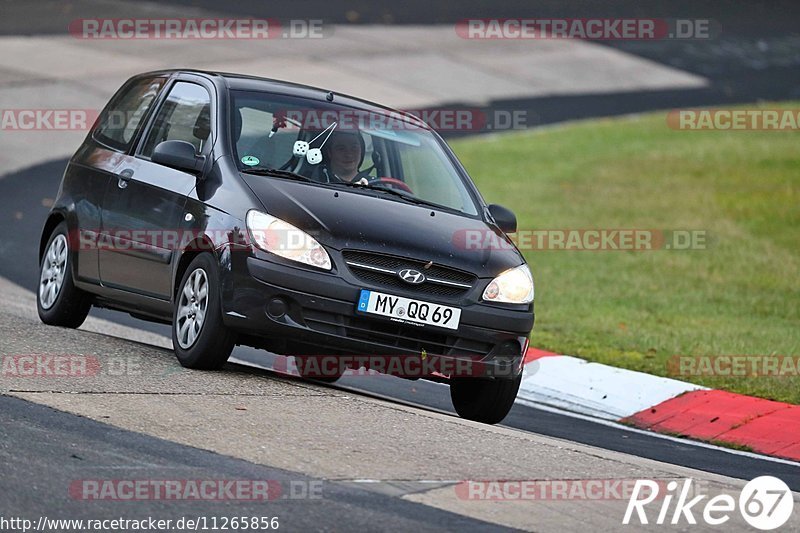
(293, 310)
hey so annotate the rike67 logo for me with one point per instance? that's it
(765, 503)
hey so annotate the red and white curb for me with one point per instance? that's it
(662, 405)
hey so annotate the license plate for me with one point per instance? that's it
(407, 310)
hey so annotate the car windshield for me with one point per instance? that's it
(383, 154)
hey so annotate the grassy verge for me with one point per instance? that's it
(635, 309)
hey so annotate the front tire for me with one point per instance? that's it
(199, 337)
(58, 301)
(484, 400)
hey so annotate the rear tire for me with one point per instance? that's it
(58, 301)
(484, 400)
(200, 339)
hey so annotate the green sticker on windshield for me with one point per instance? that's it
(250, 160)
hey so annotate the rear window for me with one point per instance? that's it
(121, 119)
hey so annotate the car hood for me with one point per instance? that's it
(344, 219)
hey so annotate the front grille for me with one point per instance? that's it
(381, 270)
(395, 335)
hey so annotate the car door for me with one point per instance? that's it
(95, 163)
(143, 208)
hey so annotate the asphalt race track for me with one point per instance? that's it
(23, 203)
(41, 431)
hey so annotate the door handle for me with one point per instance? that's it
(124, 176)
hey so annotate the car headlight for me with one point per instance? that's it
(514, 286)
(275, 236)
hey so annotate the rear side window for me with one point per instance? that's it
(121, 119)
(184, 116)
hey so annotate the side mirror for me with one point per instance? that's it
(505, 218)
(179, 155)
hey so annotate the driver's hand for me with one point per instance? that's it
(362, 181)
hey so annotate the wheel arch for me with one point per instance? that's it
(199, 245)
(53, 220)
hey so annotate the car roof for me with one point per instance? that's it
(255, 83)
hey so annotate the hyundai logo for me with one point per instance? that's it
(411, 276)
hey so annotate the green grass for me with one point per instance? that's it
(741, 296)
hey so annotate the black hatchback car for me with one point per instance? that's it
(250, 211)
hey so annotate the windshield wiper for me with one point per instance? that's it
(274, 172)
(404, 195)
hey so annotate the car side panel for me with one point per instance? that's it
(142, 218)
(82, 190)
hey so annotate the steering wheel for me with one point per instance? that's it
(392, 183)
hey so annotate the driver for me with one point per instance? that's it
(344, 153)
